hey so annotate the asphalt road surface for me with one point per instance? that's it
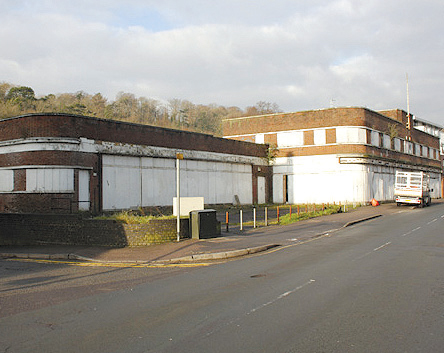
(377, 286)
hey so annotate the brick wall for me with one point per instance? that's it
(62, 125)
(327, 118)
(38, 202)
(295, 121)
(33, 229)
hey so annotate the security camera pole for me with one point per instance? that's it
(179, 156)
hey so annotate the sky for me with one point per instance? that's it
(299, 54)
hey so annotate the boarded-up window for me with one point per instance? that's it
(319, 137)
(386, 142)
(351, 135)
(375, 137)
(290, 139)
(260, 138)
(397, 144)
(50, 180)
(6, 180)
(408, 147)
(417, 149)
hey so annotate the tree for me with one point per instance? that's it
(22, 96)
(4, 88)
(124, 107)
(175, 113)
(262, 108)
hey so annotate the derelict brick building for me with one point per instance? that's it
(340, 154)
(65, 163)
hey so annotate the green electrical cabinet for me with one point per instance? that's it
(204, 224)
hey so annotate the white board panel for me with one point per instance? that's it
(6, 180)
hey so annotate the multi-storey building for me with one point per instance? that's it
(340, 154)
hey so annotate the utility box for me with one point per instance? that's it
(204, 224)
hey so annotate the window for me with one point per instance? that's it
(259, 138)
(351, 135)
(375, 138)
(50, 180)
(6, 180)
(319, 137)
(290, 139)
(397, 144)
(408, 147)
(417, 149)
(386, 142)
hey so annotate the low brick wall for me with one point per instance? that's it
(35, 229)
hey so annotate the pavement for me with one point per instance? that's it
(230, 244)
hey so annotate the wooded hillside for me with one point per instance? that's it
(175, 113)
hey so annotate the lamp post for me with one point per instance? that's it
(179, 156)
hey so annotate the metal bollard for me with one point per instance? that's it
(226, 219)
(241, 225)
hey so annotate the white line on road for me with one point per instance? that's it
(433, 220)
(279, 297)
(283, 295)
(417, 228)
(380, 247)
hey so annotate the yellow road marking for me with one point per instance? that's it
(112, 264)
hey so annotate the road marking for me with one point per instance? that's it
(410, 232)
(371, 252)
(382, 246)
(113, 264)
(433, 220)
(279, 297)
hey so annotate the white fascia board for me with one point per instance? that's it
(46, 167)
(163, 152)
(39, 144)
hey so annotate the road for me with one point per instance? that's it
(373, 287)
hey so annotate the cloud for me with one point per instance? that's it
(298, 54)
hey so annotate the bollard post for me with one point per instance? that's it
(241, 225)
(277, 213)
(266, 216)
(290, 212)
(298, 210)
(226, 219)
(254, 217)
